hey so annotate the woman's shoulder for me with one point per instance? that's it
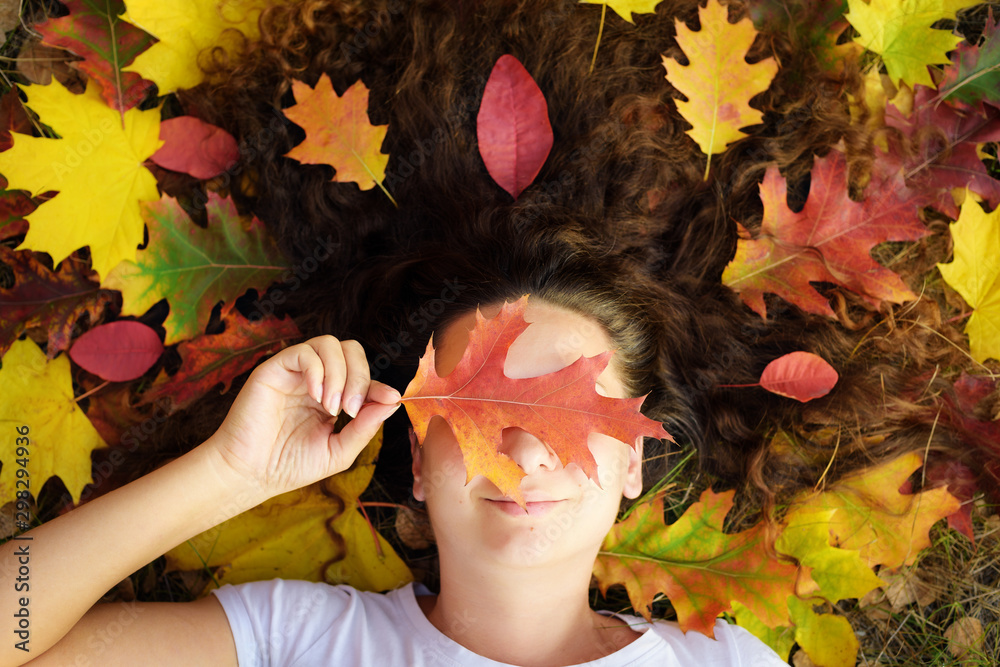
(731, 645)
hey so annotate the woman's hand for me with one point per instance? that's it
(278, 435)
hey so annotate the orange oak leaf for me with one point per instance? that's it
(338, 132)
(210, 360)
(478, 401)
(829, 240)
(701, 569)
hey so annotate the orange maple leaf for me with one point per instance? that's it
(478, 401)
(338, 132)
(701, 569)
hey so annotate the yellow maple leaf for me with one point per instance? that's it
(975, 274)
(186, 28)
(315, 533)
(38, 394)
(625, 8)
(872, 516)
(97, 169)
(718, 82)
(900, 31)
(338, 132)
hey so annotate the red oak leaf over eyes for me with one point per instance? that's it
(478, 401)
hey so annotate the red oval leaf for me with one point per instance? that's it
(195, 147)
(799, 375)
(513, 127)
(118, 351)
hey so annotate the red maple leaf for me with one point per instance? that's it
(943, 139)
(984, 436)
(478, 401)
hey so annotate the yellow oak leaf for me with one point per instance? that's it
(718, 83)
(315, 533)
(835, 574)
(975, 274)
(186, 28)
(900, 31)
(625, 8)
(97, 169)
(38, 394)
(338, 132)
(828, 639)
(872, 516)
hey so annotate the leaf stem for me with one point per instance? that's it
(92, 391)
(378, 546)
(600, 31)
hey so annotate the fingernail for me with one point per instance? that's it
(353, 405)
(334, 406)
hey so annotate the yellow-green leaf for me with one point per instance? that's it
(625, 8)
(781, 639)
(195, 268)
(827, 639)
(186, 28)
(315, 533)
(900, 31)
(974, 273)
(839, 573)
(97, 169)
(38, 394)
(718, 82)
(871, 515)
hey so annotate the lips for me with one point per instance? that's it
(535, 507)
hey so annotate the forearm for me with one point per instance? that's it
(64, 566)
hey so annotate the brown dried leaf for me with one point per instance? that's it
(414, 528)
(39, 63)
(965, 637)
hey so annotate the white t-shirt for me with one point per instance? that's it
(305, 624)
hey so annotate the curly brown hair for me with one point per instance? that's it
(619, 224)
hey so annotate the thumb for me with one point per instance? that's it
(359, 431)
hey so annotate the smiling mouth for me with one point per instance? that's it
(534, 508)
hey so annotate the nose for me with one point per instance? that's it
(528, 451)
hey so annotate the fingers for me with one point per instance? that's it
(346, 378)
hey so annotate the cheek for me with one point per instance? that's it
(612, 460)
(443, 469)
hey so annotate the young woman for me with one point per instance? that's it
(495, 605)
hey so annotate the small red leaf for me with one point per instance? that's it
(513, 128)
(119, 351)
(799, 375)
(195, 147)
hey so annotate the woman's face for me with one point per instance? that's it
(567, 512)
